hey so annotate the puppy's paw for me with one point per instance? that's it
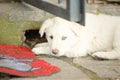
(41, 50)
(36, 50)
(101, 56)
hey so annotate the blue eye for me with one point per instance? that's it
(64, 38)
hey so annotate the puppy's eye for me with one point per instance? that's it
(51, 37)
(64, 38)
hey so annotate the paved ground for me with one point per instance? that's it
(67, 72)
(111, 9)
(81, 68)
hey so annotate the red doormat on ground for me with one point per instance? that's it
(20, 61)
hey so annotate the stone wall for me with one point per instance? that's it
(16, 18)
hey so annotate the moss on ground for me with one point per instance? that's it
(13, 32)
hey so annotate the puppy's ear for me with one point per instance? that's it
(76, 28)
(44, 26)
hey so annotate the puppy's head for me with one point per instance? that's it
(61, 34)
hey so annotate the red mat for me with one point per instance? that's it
(39, 67)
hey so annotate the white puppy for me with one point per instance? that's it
(100, 37)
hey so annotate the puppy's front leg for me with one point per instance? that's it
(75, 54)
(41, 48)
(78, 52)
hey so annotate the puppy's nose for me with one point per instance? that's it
(55, 51)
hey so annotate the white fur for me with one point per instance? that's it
(100, 37)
